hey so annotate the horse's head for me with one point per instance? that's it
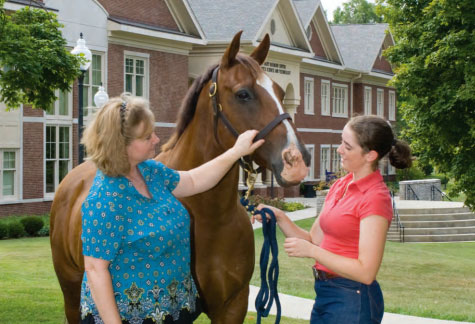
(251, 100)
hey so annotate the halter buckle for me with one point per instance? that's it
(212, 89)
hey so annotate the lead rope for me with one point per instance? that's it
(268, 291)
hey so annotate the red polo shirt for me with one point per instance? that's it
(341, 215)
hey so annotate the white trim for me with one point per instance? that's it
(313, 61)
(16, 174)
(309, 98)
(380, 105)
(319, 130)
(162, 124)
(391, 109)
(345, 98)
(145, 57)
(27, 119)
(138, 54)
(311, 174)
(26, 201)
(365, 110)
(328, 101)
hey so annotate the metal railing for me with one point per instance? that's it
(432, 193)
(410, 191)
(397, 219)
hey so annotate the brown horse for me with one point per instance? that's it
(222, 237)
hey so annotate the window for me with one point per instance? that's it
(380, 103)
(61, 107)
(92, 81)
(8, 174)
(325, 97)
(335, 159)
(392, 105)
(311, 172)
(308, 96)
(136, 75)
(340, 100)
(367, 101)
(324, 161)
(57, 155)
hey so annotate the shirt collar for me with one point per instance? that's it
(367, 182)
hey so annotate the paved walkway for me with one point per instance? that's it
(296, 307)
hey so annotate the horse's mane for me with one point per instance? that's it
(188, 105)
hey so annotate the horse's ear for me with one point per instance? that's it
(260, 52)
(231, 52)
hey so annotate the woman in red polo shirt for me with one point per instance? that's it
(347, 239)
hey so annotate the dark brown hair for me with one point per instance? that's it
(375, 133)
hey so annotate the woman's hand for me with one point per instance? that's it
(244, 145)
(296, 247)
(277, 212)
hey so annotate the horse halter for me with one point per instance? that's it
(218, 114)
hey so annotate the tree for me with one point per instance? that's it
(34, 58)
(434, 59)
(356, 12)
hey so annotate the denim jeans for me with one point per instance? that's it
(344, 301)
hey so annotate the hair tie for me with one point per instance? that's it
(123, 108)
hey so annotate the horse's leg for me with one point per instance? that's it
(72, 297)
(234, 311)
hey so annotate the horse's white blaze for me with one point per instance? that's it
(265, 82)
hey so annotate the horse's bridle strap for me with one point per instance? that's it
(266, 130)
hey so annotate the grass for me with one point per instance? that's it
(435, 280)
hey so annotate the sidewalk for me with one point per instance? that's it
(301, 308)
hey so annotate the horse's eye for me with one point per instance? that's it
(243, 95)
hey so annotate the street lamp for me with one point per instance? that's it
(82, 51)
(101, 97)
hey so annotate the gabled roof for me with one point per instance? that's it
(221, 20)
(360, 44)
(306, 10)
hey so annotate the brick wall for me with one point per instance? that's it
(37, 208)
(33, 160)
(382, 64)
(152, 12)
(316, 43)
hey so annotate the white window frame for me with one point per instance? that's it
(325, 95)
(16, 174)
(325, 166)
(138, 56)
(309, 90)
(88, 100)
(380, 102)
(335, 159)
(56, 159)
(368, 100)
(340, 100)
(392, 105)
(311, 172)
(55, 113)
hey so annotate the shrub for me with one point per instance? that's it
(15, 230)
(32, 224)
(44, 231)
(3, 230)
(293, 206)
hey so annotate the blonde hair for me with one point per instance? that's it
(113, 128)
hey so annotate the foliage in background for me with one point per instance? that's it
(276, 202)
(356, 12)
(34, 58)
(434, 59)
(32, 225)
(23, 225)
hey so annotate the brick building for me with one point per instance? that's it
(155, 48)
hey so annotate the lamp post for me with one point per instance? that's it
(101, 97)
(82, 51)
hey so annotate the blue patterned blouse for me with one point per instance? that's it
(147, 242)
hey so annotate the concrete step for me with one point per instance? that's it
(436, 217)
(429, 210)
(437, 224)
(439, 238)
(440, 231)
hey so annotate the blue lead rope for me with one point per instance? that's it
(268, 291)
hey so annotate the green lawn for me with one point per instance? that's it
(430, 280)
(435, 280)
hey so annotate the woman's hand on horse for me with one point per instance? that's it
(244, 144)
(277, 212)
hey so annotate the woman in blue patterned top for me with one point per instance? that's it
(135, 232)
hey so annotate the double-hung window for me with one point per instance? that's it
(392, 105)
(93, 78)
(380, 102)
(367, 101)
(324, 161)
(340, 100)
(57, 155)
(308, 96)
(8, 173)
(325, 97)
(335, 159)
(136, 74)
(311, 172)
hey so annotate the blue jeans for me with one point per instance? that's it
(344, 301)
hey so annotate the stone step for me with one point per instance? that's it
(428, 210)
(439, 238)
(436, 217)
(437, 224)
(439, 231)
